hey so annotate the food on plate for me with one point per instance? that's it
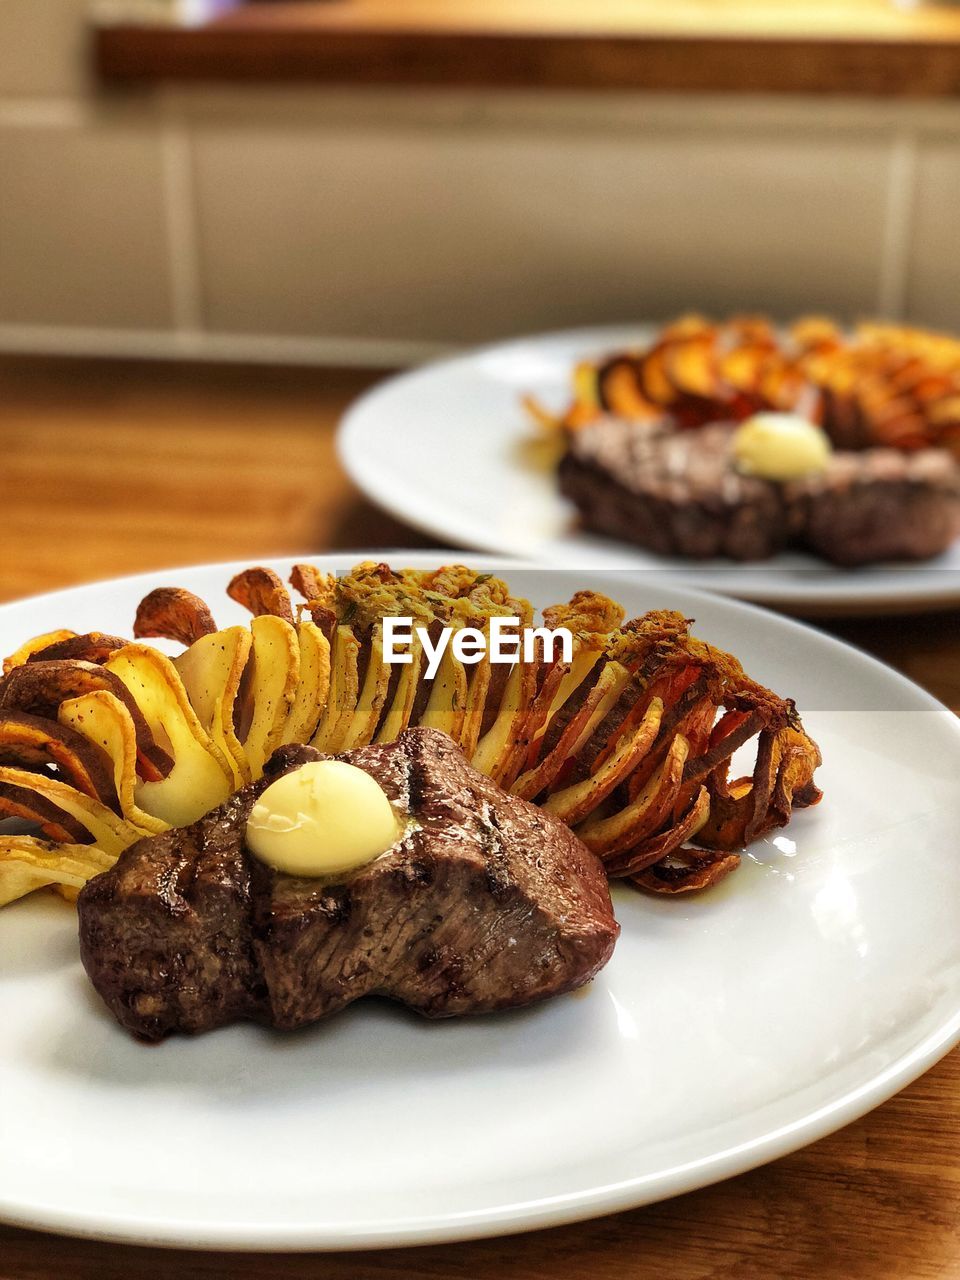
(481, 901)
(886, 399)
(878, 385)
(628, 740)
(685, 493)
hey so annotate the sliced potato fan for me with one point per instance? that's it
(103, 719)
(628, 740)
(272, 674)
(211, 670)
(200, 778)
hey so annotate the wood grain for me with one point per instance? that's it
(114, 468)
(869, 47)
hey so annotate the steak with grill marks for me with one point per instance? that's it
(486, 903)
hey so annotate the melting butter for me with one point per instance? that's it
(780, 446)
(325, 818)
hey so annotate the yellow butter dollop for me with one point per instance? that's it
(323, 819)
(780, 446)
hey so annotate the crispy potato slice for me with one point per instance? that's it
(653, 848)
(275, 671)
(174, 614)
(572, 677)
(691, 368)
(687, 871)
(606, 836)
(447, 705)
(359, 729)
(211, 670)
(103, 719)
(572, 804)
(29, 740)
(320, 592)
(731, 732)
(262, 592)
(23, 803)
(478, 686)
(40, 687)
(27, 863)
(344, 689)
(30, 647)
(313, 687)
(398, 716)
(95, 646)
(503, 737)
(611, 682)
(201, 777)
(112, 833)
(618, 388)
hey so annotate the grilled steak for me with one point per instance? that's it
(881, 504)
(679, 493)
(486, 903)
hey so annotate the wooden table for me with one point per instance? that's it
(108, 469)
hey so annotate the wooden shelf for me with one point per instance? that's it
(870, 47)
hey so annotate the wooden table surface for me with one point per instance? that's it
(108, 469)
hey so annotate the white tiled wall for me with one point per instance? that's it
(82, 231)
(382, 225)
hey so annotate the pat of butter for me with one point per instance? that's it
(323, 819)
(780, 446)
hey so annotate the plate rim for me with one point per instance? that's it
(535, 1213)
(838, 601)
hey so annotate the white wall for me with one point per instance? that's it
(380, 226)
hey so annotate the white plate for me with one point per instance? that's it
(443, 448)
(727, 1030)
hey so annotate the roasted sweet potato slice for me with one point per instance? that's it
(625, 828)
(730, 733)
(40, 687)
(610, 683)
(619, 390)
(655, 847)
(261, 591)
(574, 803)
(25, 804)
(102, 718)
(40, 791)
(173, 614)
(30, 741)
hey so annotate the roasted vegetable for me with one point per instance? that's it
(627, 739)
(879, 385)
(174, 614)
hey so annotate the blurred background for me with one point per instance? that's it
(222, 222)
(374, 181)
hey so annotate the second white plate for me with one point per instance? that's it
(442, 448)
